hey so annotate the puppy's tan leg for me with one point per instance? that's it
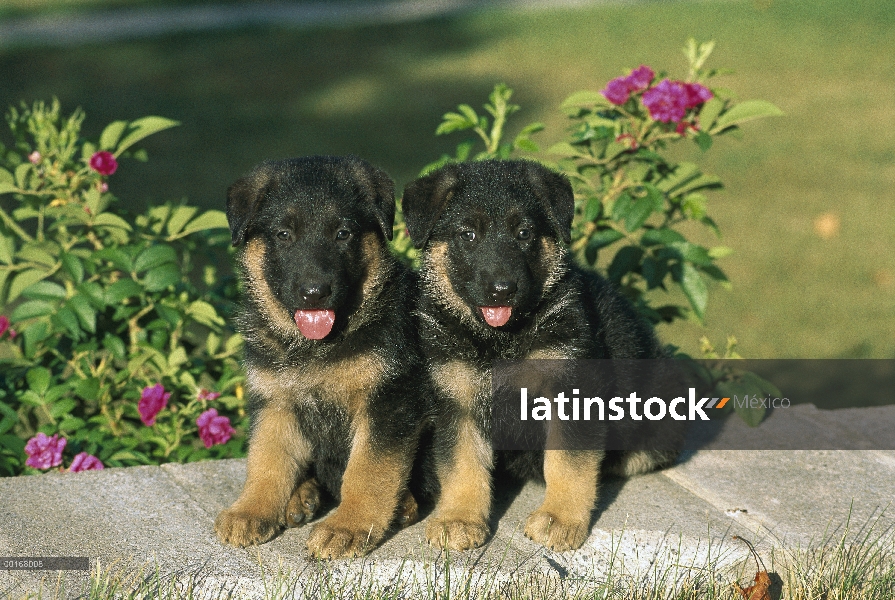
(278, 454)
(303, 504)
(563, 520)
(371, 489)
(461, 516)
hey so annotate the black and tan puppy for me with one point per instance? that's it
(331, 355)
(497, 283)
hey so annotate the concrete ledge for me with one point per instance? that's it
(163, 516)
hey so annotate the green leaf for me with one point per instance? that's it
(694, 288)
(88, 388)
(111, 134)
(720, 251)
(10, 418)
(663, 236)
(34, 334)
(6, 177)
(204, 313)
(709, 113)
(683, 173)
(108, 219)
(142, 128)
(625, 261)
(38, 252)
(638, 213)
(114, 345)
(584, 98)
(154, 256)
(38, 380)
(86, 314)
(62, 407)
(746, 111)
(68, 319)
(703, 181)
(161, 277)
(7, 249)
(46, 290)
(117, 257)
(703, 140)
(693, 253)
(621, 207)
(179, 218)
(73, 266)
(592, 208)
(212, 219)
(121, 289)
(23, 280)
(34, 308)
(21, 174)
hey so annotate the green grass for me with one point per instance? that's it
(379, 92)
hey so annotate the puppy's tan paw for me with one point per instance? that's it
(455, 534)
(330, 539)
(554, 532)
(243, 528)
(303, 504)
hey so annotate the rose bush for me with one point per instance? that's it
(113, 337)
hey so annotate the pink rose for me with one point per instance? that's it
(4, 324)
(620, 89)
(34, 157)
(85, 462)
(152, 401)
(205, 395)
(103, 162)
(697, 94)
(44, 452)
(214, 429)
(667, 101)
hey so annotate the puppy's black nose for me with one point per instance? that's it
(501, 291)
(315, 293)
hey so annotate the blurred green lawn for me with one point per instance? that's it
(379, 92)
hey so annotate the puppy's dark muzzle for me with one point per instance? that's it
(501, 292)
(315, 294)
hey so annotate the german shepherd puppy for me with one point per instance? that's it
(331, 355)
(496, 284)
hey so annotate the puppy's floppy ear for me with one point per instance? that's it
(377, 189)
(244, 197)
(425, 199)
(554, 192)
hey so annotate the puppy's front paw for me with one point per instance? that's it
(332, 539)
(554, 532)
(455, 534)
(243, 528)
(303, 504)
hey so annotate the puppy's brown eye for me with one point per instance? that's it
(523, 234)
(343, 234)
(467, 236)
(284, 236)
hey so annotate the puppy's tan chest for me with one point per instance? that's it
(348, 382)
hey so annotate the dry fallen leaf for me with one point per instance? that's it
(761, 589)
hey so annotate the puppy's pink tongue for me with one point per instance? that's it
(496, 316)
(315, 324)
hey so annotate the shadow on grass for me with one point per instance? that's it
(259, 93)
